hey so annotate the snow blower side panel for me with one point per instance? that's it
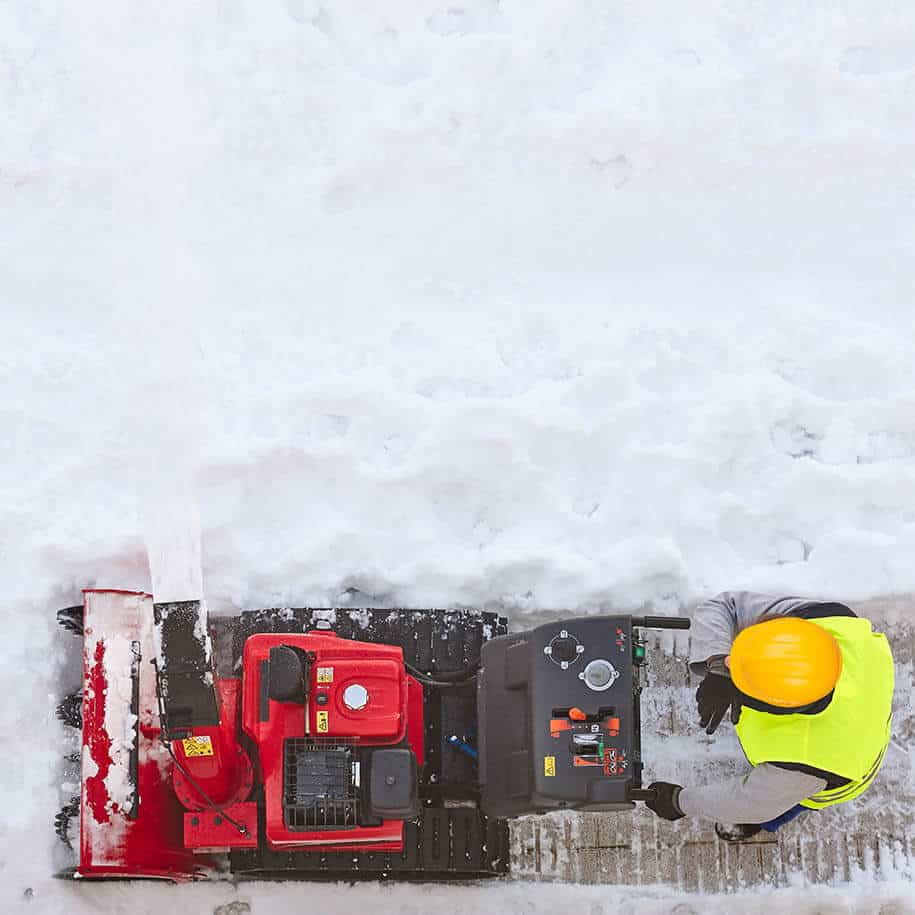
(131, 823)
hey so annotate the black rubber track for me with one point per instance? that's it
(434, 641)
(440, 845)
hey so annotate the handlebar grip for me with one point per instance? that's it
(661, 622)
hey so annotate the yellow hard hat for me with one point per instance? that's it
(786, 662)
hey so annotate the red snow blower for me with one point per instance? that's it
(339, 743)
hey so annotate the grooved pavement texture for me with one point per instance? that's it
(874, 834)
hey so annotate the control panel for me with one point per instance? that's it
(559, 715)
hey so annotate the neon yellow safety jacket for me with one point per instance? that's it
(850, 736)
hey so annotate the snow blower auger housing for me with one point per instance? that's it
(337, 744)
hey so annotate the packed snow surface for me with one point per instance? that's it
(525, 303)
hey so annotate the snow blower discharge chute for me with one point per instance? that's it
(338, 744)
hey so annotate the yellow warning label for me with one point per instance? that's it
(322, 723)
(325, 675)
(197, 746)
(549, 765)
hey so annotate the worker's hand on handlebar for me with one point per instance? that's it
(717, 694)
(664, 803)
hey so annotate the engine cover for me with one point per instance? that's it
(344, 696)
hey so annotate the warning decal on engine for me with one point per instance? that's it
(322, 722)
(549, 765)
(325, 675)
(197, 746)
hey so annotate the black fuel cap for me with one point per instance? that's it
(564, 648)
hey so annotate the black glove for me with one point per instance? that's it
(717, 694)
(664, 802)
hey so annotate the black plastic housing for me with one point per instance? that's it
(528, 746)
(393, 787)
(185, 668)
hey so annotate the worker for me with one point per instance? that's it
(808, 685)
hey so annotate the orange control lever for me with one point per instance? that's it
(576, 714)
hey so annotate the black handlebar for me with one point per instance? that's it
(661, 622)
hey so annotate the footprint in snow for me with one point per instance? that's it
(616, 169)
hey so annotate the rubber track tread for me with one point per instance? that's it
(441, 844)
(440, 641)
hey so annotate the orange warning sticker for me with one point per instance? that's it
(322, 723)
(197, 746)
(549, 765)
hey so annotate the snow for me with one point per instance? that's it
(865, 898)
(525, 304)
(120, 723)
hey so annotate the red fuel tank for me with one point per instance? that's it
(358, 698)
(356, 691)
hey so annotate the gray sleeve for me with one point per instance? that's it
(718, 620)
(763, 794)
